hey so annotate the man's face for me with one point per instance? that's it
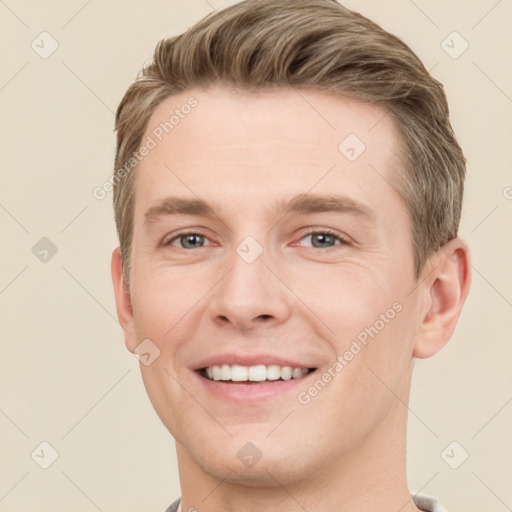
(254, 283)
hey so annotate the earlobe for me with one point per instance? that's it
(445, 291)
(123, 300)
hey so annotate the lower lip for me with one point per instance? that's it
(249, 392)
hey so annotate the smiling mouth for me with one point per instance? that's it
(253, 374)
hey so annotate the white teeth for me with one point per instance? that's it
(216, 372)
(238, 373)
(296, 373)
(225, 372)
(257, 373)
(273, 372)
(286, 372)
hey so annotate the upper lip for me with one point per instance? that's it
(249, 360)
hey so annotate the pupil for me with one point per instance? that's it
(322, 238)
(192, 240)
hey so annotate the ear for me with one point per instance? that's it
(444, 289)
(123, 300)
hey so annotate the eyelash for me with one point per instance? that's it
(324, 231)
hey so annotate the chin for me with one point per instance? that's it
(264, 474)
(260, 463)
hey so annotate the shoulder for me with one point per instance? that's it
(174, 506)
(427, 503)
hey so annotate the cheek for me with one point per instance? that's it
(371, 324)
(163, 298)
(380, 357)
(348, 298)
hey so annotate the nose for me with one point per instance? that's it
(250, 295)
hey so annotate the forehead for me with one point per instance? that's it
(264, 144)
(305, 117)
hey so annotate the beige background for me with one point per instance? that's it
(66, 377)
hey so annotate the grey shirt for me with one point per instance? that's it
(422, 501)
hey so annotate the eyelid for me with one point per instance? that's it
(166, 241)
(343, 239)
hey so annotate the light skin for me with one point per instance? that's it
(305, 297)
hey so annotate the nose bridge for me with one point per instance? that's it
(249, 292)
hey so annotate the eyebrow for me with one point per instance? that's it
(302, 204)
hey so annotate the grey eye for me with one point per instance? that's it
(191, 240)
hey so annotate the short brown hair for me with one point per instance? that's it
(260, 44)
